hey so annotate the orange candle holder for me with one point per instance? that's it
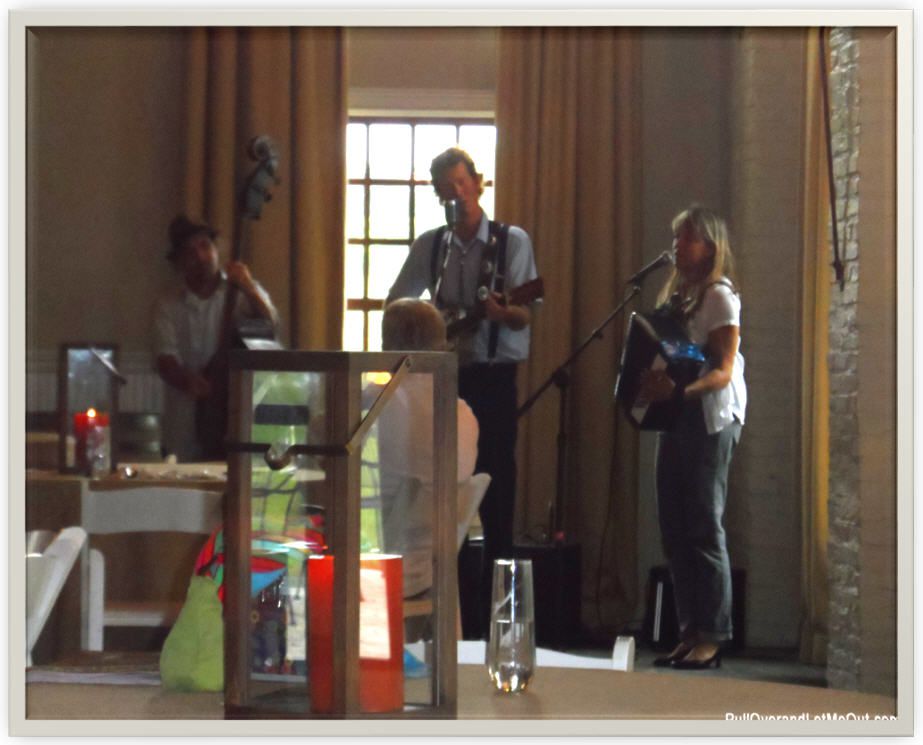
(381, 633)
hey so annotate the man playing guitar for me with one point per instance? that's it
(188, 328)
(468, 267)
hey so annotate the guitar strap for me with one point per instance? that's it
(493, 270)
(496, 248)
(700, 296)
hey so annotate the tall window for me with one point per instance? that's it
(390, 200)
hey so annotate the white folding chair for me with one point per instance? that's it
(140, 510)
(470, 493)
(49, 560)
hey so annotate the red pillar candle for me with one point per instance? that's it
(381, 633)
(82, 420)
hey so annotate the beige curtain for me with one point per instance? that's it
(815, 394)
(566, 137)
(288, 83)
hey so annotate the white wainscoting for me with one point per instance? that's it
(142, 392)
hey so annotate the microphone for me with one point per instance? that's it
(451, 212)
(667, 257)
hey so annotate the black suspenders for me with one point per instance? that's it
(490, 268)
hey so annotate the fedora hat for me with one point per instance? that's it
(182, 228)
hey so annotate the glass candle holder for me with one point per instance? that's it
(511, 649)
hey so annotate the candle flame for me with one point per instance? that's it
(91, 413)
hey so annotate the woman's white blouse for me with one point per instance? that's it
(720, 307)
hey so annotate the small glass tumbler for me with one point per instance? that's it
(511, 649)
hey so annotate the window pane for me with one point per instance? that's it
(355, 151)
(389, 212)
(429, 141)
(487, 201)
(384, 264)
(355, 211)
(375, 330)
(355, 271)
(353, 330)
(429, 213)
(389, 151)
(480, 141)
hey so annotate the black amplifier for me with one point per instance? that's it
(556, 580)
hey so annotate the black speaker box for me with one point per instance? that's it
(556, 583)
(471, 598)
(660, 626)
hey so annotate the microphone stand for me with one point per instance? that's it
(451, 218)
(560, 377)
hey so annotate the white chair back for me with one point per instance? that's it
(470, 493)
(139, 510)
(46, 573)
(151, 510)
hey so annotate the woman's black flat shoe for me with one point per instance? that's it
(686, 664)
(674, 656)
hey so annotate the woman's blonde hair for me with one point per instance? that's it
(412, 324)
(713, 230)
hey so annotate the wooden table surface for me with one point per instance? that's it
(555, 693)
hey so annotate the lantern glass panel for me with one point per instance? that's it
(286, 524)
(89, 383)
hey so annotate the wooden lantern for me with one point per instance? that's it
(310, 435)
(88, 378)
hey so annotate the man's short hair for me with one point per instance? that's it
(448, 160)
(413, 325)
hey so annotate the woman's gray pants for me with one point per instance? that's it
(692, 471)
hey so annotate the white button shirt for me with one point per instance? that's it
(187, 327)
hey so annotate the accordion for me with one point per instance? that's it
(655, 341)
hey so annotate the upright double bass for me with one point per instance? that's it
(211, 416)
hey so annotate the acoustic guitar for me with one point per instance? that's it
(457, 326)
(211, 416)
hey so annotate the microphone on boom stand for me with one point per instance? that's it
(452, 216)
(667, 257)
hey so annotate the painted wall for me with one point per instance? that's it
(104, 172)
(444, 61)
(766, 209)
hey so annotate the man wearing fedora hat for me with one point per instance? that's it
(188, 324)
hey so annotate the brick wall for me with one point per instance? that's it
(844, 658)
(862, 649)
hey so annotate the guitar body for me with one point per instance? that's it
(458, 326)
